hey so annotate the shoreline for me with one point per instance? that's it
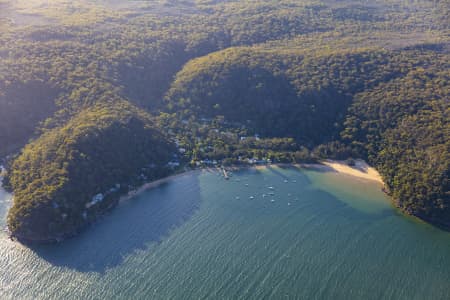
(360, 170)
(153, 184)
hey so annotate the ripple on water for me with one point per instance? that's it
(200, 236)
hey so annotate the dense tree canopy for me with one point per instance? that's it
(227, 81)
(102, 150)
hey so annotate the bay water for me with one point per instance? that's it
(268, 233)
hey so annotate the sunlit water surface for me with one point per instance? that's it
(319, 236)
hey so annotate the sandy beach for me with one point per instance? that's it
(360, 169)
(153, 184)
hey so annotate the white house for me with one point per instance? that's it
(96, 199)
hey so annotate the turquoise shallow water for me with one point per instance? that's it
(325, 236)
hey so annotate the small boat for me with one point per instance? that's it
(225, 174)
(289, 203)
(273, 200)
(286, 181)
(270, 187)
(251, 197)
(237, 198)
(246, 184)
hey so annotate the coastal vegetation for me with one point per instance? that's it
(68, 176)
(93, 93)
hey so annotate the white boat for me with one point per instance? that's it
(225, 174)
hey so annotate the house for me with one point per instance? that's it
(96, 199)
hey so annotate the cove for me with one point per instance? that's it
(263, 234)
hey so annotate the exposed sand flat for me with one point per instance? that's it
(152, 184)
(360, 169)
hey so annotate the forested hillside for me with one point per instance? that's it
(227, 81)
(105, 150)
(404, 128)
(293, 94)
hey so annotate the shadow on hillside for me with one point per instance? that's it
(133, 226)
(146, 79)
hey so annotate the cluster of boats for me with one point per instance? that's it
(270, 194)
(227, 175)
